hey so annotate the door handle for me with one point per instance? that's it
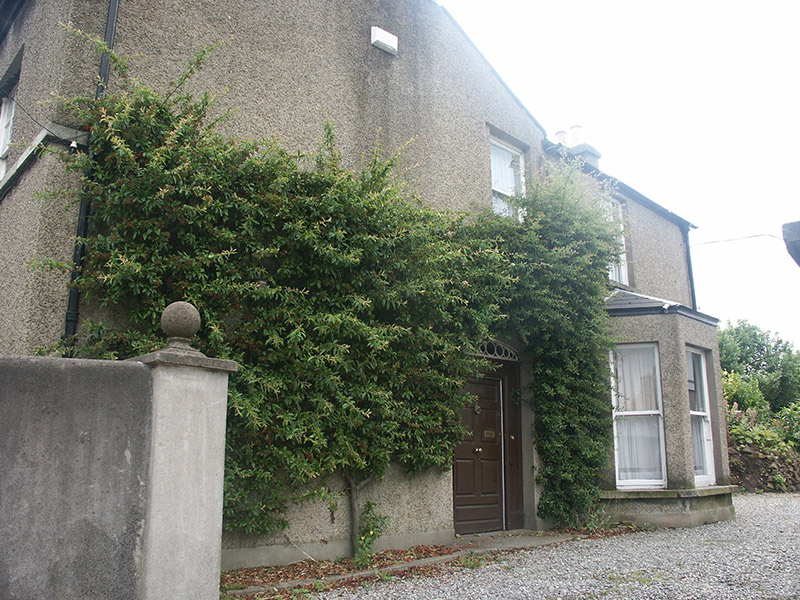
(478, 450)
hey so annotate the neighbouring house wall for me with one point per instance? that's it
(75, 447)
(419, 507)
(657, 255)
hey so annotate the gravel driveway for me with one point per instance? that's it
(755, 556)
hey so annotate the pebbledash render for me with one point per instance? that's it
(394, 71)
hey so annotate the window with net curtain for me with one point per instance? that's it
(638, 417)
(507, 177)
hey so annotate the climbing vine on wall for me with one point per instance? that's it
(559, 256)
(351, 309)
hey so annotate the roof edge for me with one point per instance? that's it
(491, 68)
(562, 151)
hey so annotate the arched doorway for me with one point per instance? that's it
(487, 470)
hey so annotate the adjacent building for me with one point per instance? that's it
(398, 70)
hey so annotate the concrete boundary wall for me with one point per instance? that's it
(111, 477)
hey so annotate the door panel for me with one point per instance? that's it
(487, 471)
(478, 497)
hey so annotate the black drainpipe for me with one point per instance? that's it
(71, 324)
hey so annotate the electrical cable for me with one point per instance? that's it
(747, 237)
(32, 118)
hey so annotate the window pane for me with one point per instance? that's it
(506, 176)
(698, 443)
(639, 448)
(637, 379)
(501, 206)
(618, 271)
(696, 381)
(6, 120)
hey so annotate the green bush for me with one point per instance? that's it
(745, 393)
(748, 428)
(789, 418)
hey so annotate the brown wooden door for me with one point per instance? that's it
(487, 471)
(478, 469)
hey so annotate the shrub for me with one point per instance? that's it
(789, 418)
(745, 393)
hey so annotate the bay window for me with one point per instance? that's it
(638, 417)
(702, 444)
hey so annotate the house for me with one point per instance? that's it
(406, 69)
(791, 237)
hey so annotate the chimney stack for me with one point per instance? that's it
(573, 140)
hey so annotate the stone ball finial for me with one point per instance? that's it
(180, 320)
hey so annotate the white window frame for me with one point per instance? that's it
(618, 271)
(6, 122)
(618, 414)
(500, 203)
(707, 478)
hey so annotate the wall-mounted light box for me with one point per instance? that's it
(384, 40)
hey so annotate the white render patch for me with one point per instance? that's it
(384, 40)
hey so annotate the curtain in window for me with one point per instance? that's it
(639, 451)
(505, 167)
(698, 444)
(697, 383)
(637, 380)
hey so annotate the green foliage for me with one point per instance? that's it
(760, 356)
(749, 428)
(371, 526)
(352, 311)
(559, 256)
(789, 417)
(745, 393)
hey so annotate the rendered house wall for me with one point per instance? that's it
(288, 65)
(33, 226)
(657, 255)
(419, 507)
(285, 66)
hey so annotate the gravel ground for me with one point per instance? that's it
(755, 556)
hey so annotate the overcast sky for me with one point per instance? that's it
(692, 103)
